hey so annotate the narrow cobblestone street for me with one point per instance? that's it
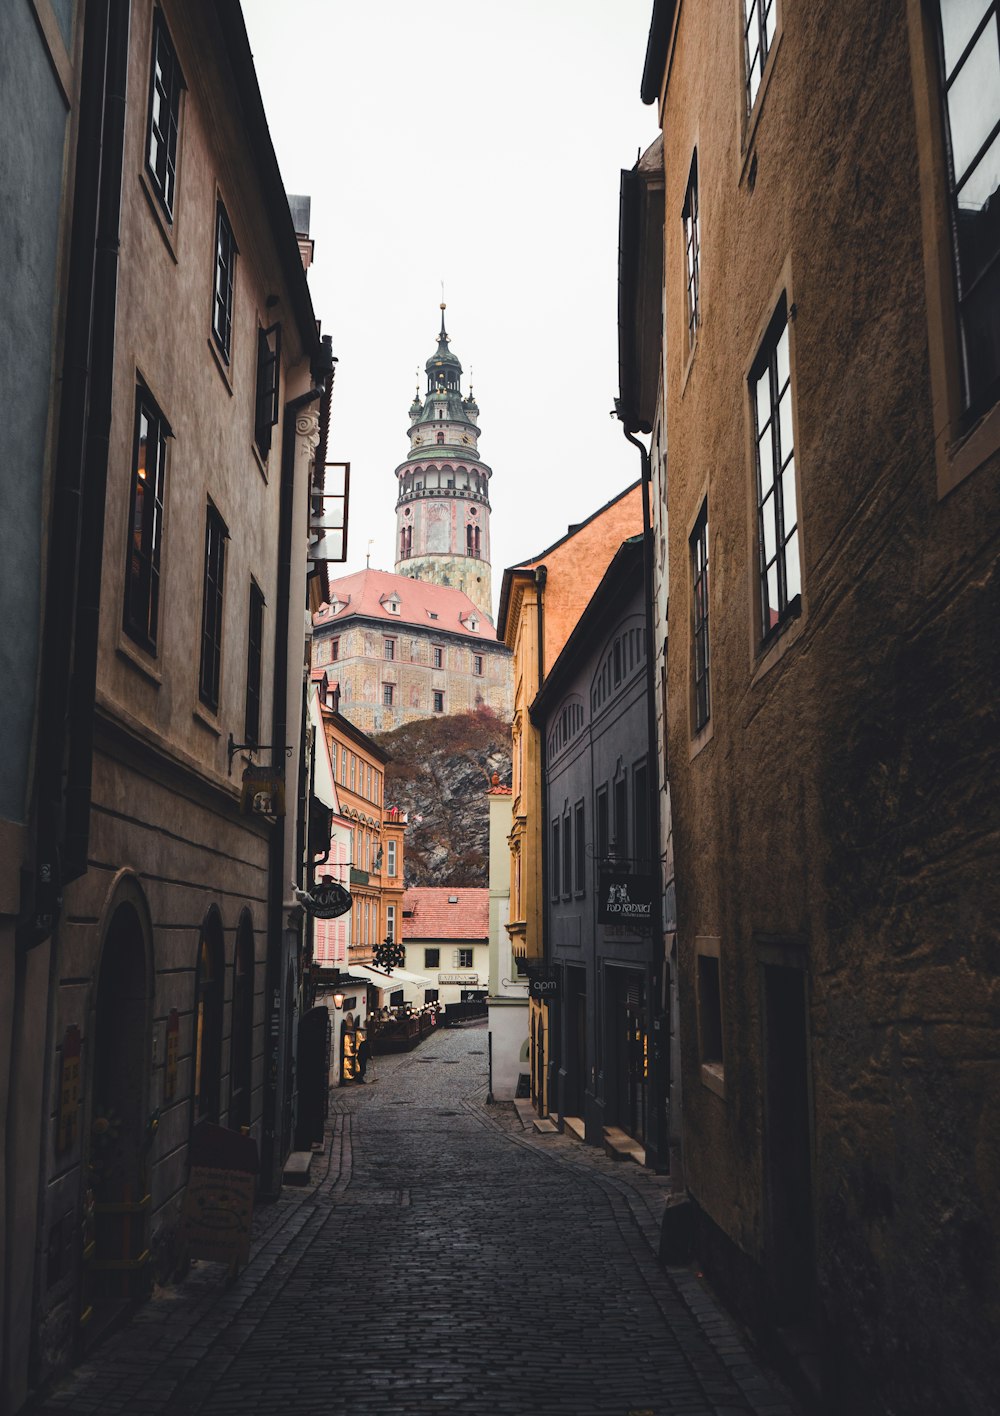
(444, 1259)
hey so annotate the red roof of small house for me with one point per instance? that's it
(444, 912)
(370, 593)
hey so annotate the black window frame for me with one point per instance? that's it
(268, 393)
(432, 958)
(555, 858)
(162, 139)
(255, 663)
(701, 692)
(567, 856)
(213, 607)
(691, 218)
(141, 602)
(968, 283)
(438, 700)
(223, 283)
(756, 14)
(389, 648)
(437, 656)
(477, 665)
(580, 848)
(387, 695)
(782, 462)
(466, 956)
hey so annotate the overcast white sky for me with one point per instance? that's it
(479, 144)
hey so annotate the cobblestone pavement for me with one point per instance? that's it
(444, 1259)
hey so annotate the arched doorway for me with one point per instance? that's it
(208, 991)
(118, 1200)
(241, 1058)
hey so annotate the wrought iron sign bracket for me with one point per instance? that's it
(235, 747)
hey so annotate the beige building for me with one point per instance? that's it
(828, 537)
(400, 649)
(176, 632)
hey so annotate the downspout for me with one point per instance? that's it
(276, 845)
(661, 1036)
(75, 550)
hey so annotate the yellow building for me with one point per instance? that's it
(540, 602)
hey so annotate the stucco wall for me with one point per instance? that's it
(837, 807)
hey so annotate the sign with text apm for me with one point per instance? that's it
(626, 899)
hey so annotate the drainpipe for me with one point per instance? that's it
(661, 1026)
(270, 1180)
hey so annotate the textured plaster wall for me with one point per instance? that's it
(840, 802)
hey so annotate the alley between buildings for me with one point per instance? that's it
(442, 1258)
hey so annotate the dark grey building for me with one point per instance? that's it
(600, 862)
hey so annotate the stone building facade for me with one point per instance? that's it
(183, 424)
(399, 649)
(831, 370)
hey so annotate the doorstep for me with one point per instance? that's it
(573, 1126)
(619, 1145)
(544, 1126)
(296, 1171)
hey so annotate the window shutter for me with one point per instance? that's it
(457, 959)
(268, 378)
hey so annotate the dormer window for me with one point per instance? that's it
(392, 605)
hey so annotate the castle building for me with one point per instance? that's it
(443, 509)
(421, 641)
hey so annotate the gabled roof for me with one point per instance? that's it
(446, 912)
(443, 609)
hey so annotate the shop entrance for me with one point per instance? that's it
(630, 1050)
(116, 1252)
(576, 1041)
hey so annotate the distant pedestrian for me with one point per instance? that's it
(362, 1055)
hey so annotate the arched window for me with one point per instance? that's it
(208, 1021)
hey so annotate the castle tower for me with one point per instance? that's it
(443, 509)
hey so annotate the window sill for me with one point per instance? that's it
(162, 224)
(969, 453)
(206, 719)
(689, 365)
(261, 464)
(135, 658)
(220, 364)
(783, 638)
(713, 1077)
(701, 738)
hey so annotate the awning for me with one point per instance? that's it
(390, 983)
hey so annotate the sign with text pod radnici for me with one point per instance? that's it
(626, 899)
(327, 900)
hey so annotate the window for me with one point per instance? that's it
(165, 84)
(580, 848)
(464, 960)
(438, 702)
(556, 860)
(387, 695)
(268, 380)
(699, 619)
(477, 665)
(970, 75)
(216, 536)
(761, 17)
(390, 858)
(620, 841)
(255, 656)
(692, 250)
(389, 646)
(777, 508)
(142, 565)
(390, 921)
(567, 857)
(353, 764)
(641, 812)
(431, 995)
(334, 649)
(432, 958)
(440, 437)
(437, 656)
(601, 818)
(225, 267)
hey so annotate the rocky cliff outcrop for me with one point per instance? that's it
(439, 773)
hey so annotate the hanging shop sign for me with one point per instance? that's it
(327, 900)
(626, 899)
(263, 792)
(544, 986)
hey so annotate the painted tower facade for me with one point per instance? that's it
(443, 508)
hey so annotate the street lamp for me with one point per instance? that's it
(338, 1000)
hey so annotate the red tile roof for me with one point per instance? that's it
(434, 917)
(439, 607)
